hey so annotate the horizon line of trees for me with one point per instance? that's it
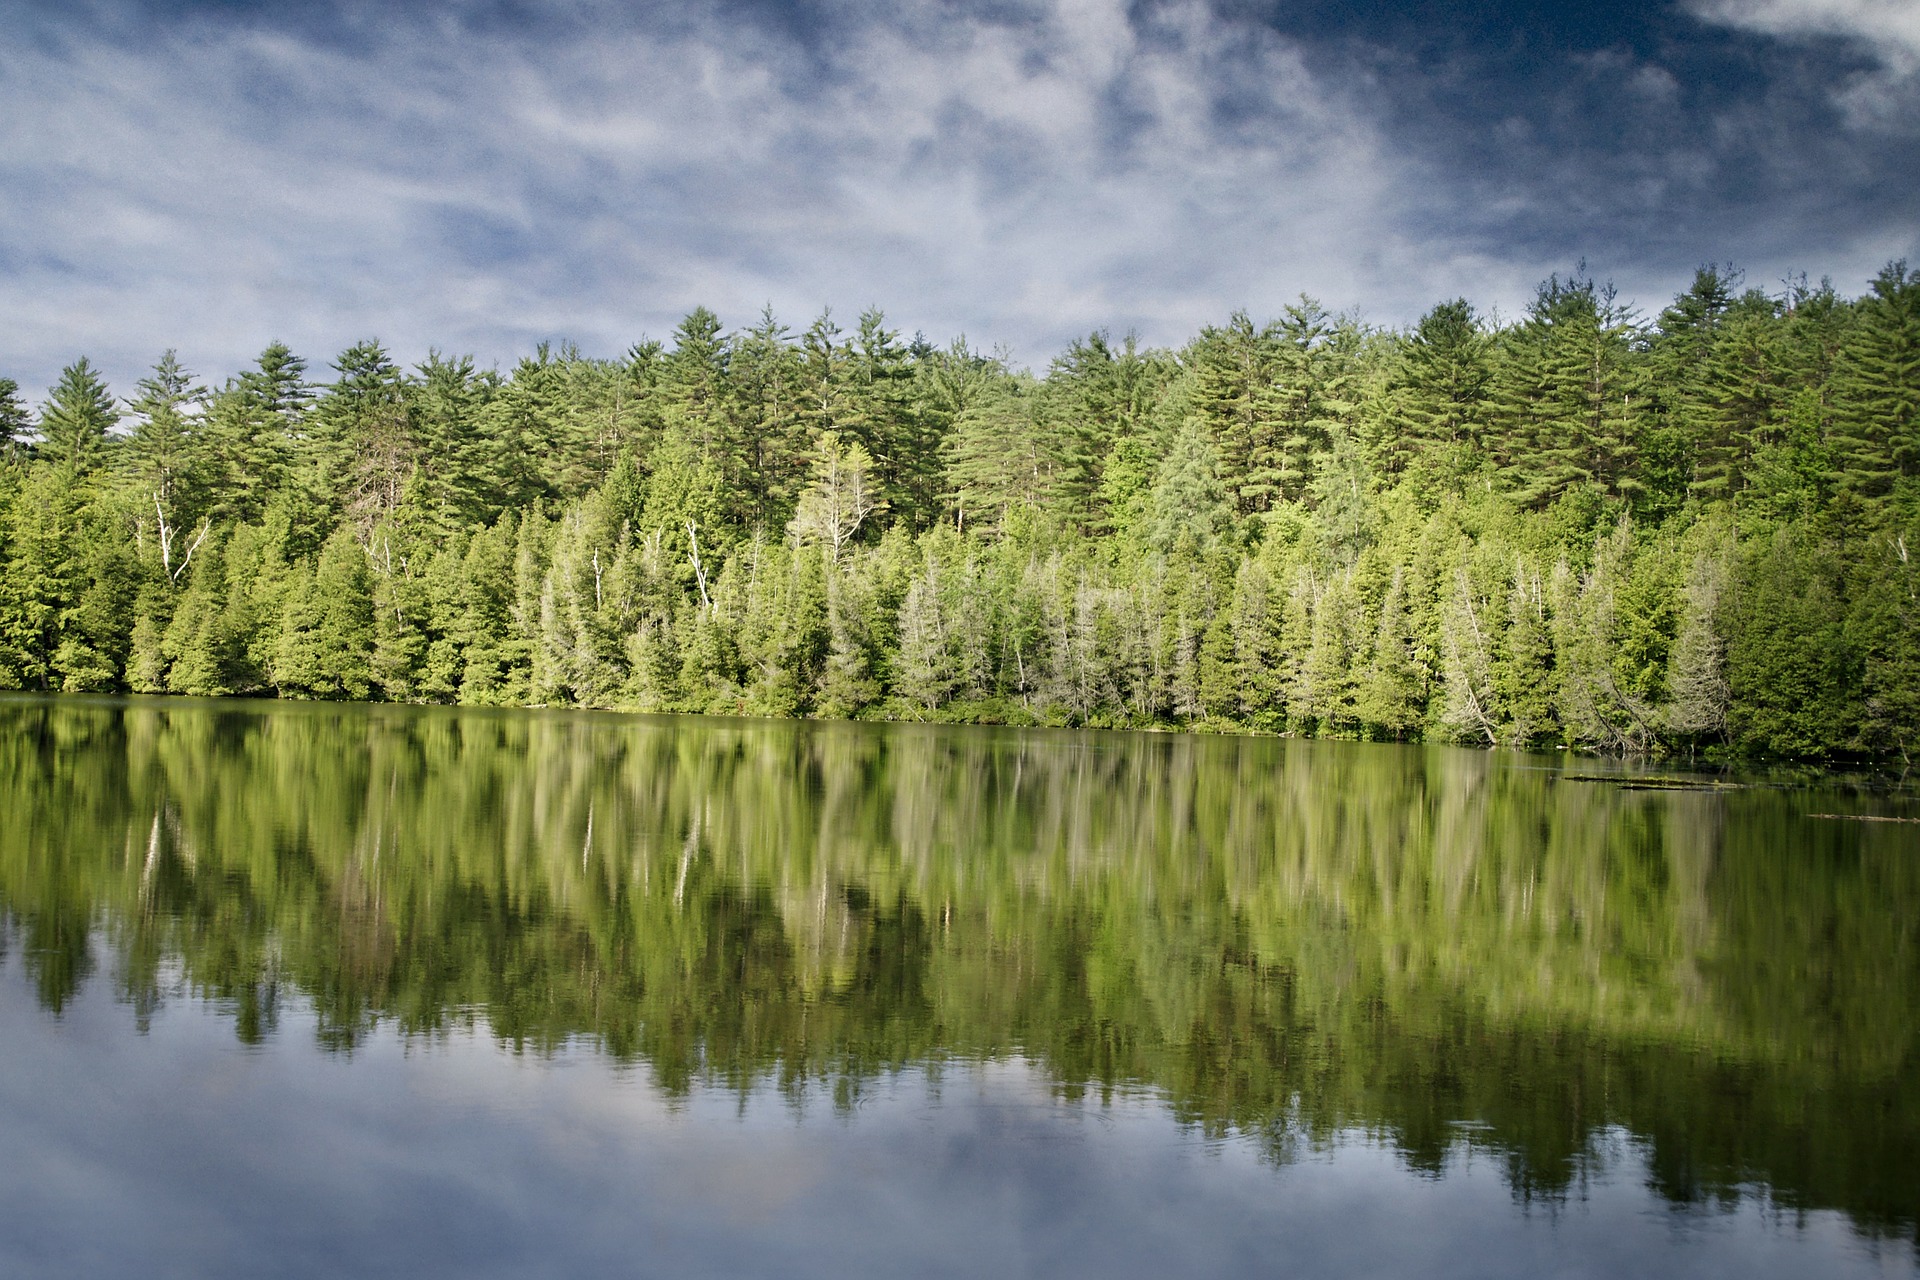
(1582, 527)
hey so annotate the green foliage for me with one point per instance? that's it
(1793, 675)
(1568, 394)
(76, 418)
(1680, 536)
(1876, 385)
(15, 422)
(1439, 414)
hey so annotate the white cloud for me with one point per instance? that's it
(1023, 180)
(1020, 181)
(1890, 27)
(1880, 100)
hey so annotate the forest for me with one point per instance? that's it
(1689, 533)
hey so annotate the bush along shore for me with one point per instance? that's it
(1681, 533)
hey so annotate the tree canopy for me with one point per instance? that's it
(1583, 526)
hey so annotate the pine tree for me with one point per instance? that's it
(44, 574)
(1444, 380)
(75, 419)
(201, 648)
(995, 460)
(843, 490)
(164, 461)
(1327, 672)
(1095, 398)
(1697, 673)
(847, 685)
(1255, 627)
(1523, 673)
(296, 667)
(766, 375)
(1792, 674)
(1188, 501)
(1876, 386)
(1745, 399)
(364, 425)
(15, 421)
(696, 388)
(343, 627)
(1391, 694)
(1886, 632)
(91, 656)
(484, 619)
(1567, 394)
(455, 487)
(882, 416)
(1236, 375)
(146, 656)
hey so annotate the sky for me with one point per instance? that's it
(479, 176)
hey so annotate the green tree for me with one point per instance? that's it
(75, 419)
(1876, 386)
(1189, 504)
(842, 492)
(1443, 383)
(995, 455)
(1792, 674)
(15, 422)
(164, 462)
(1567, 393)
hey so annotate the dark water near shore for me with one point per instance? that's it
(311, 990)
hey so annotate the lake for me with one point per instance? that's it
(316, 990)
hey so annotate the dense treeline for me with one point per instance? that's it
(1683, 533)
(1426, 944)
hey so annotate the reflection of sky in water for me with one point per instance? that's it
(184, 1153)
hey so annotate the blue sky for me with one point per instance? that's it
(478, 177)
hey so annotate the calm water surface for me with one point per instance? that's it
(319, 990)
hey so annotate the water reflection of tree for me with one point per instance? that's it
(1284, 940)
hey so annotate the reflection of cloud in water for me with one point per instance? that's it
(129, 1154)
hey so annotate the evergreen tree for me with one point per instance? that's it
(995, 461)
(1096, 397)
(1444, 380)
(1886, 631)
(255, 430)
(456, 484)
(696, 388)
(1391, 693)
(883, 416)
(842, 493)
(1305, 526)
(1744, 399)
(1792, 675)
(163, 459)
(75, 419)
(1567, 394)
(766, 375)
(365, 429)
(1237, 372)
(1876, 386)
(1697, 676)
(1188, 503)
(202, 648)
(44, 575)
(343, 628)
(15, 421)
